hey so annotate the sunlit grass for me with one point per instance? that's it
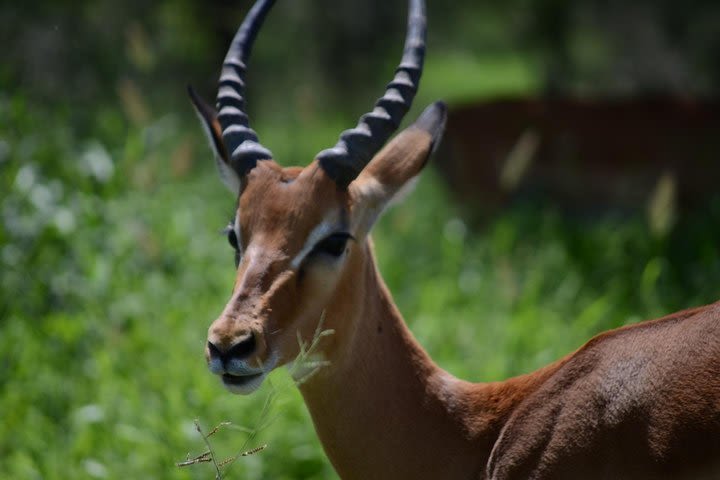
(461, 77)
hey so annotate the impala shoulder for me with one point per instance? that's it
(521, 446)
(617, 378)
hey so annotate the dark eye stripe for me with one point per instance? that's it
(332, 245)
(229, 232)
(232, 239)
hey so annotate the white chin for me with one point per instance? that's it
(245, 387)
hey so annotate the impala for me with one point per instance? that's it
(641, 401)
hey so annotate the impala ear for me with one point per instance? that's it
(392, 171)
(211, 126)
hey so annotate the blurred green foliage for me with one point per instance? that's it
(111, 265)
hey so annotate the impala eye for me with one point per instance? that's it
(334, 245)
(232, 239)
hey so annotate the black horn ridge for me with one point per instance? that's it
(357, 146)
(240, 140)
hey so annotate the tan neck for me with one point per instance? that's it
(383, 409)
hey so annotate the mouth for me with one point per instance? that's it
(242, 384)
(238, 377)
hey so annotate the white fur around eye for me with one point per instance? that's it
(317, 234)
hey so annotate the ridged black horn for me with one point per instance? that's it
(357, 146)
(240, 140)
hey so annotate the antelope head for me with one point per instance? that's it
(300, 233)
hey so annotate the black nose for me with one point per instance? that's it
(241, 349)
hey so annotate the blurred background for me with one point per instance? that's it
(575, 191)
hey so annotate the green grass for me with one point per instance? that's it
(112, 274)
(462, 77)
